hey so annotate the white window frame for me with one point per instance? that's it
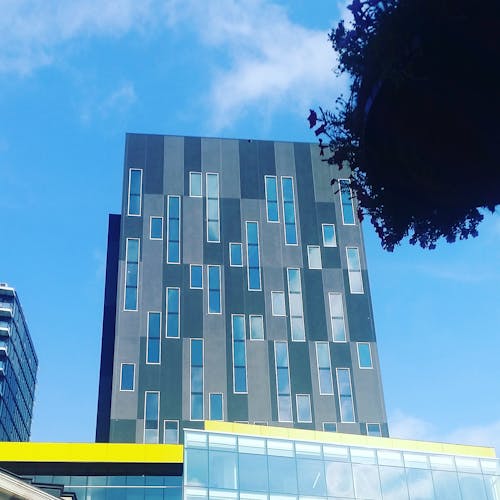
(275, 177)
(168, 228)
(235, 243)
(276, 380)
(164, 424)
(138, 274)
(309, 248)
(334, 235)
(294, 211)
(248, 259)
(232, 352)
(329, 423)
(374, 423)
(360, 271)
(202, 382)
(317, 368)
(210, 405)
(359, 359)
(200, 174)
(151, 227)
(208, 288)
(330, 294)
(282, 293)
(166, 313)
(140, 193)
(297, 406)
(339, 395)
(342, 204)
(218, 203)
(133, 379)
(250, 316)
(147, 338)
(191, 276)
(157, 419)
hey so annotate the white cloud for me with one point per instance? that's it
(120, 99)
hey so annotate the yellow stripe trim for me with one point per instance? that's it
(91, 452)
(350, 439)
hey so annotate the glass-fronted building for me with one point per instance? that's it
(18, 369)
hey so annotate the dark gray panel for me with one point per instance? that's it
(230, 223)
(250, 177)
(122, 431)
(173, 275)
(234, 290)
(171, 380)
(213, 253)
(314, 305)
(358, 313)
(192, 312)
(192, 154)
(153, 175)
(272, 383)
(266, 165)
(331, 257)
(300, 371)
(135, 151)
(340, 354)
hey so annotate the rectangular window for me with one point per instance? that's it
(174, 230)
(314, 257)
(134, 191)
(214, 294)
(253, 258)
(256, 327)
(173, 313)
(330, 426)
(132, 273)
(239, 354)
(324, 368)
(337, 317)
(213, 215)
(329, 235)
(304, 413)
(196, 276)
(127, 377)
(364, 355)
(151, 417)
(153, 346)
(373, 430)
(289, 211)
(278, 303)
(354, 270)
(195, 184)
(346, 201)
(171, 431)
(197, 379)
(235, 255)
(216, 407)
(272, 198)
(345, 395)
(283, 382)
(156, 228)
(296, 307)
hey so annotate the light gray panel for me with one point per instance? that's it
(173, 180)
(186, 379)
(271, 244)
(285, 159)
(348, 428)
(214, 336)
(211, 155)
(139, 429)
(250, 210)
(292, 256)
(259, 378)
(322, 175)
(230, 159)
(192, 230)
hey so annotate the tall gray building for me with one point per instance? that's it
(236, 289)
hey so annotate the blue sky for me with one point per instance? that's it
(76, 76)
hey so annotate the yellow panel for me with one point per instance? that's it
(351, 439)
(91, 452)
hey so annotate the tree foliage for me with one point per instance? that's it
(419, 128)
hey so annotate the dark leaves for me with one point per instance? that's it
(312, 118)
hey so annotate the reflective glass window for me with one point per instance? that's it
(253, 258)
(278, 303)
(196, 379)
(283, 382)
(373, 430)
(297, 327)
(134, 191)
(127, 377)
(346, 201)
(132, 274)
(173, 312)
(330, 426)
(329, 235)
(213, 215)
(253, 472)
(420, 484)
(239, 354)
(214, 293)
(304, 413)
(196, 467)
(339, 481)
(393, 483)
(311, 477)
(366, 481)
(345, 395)
(195, 184)
(171, 431)
(222, 472)
(446, 485)
(153, 338)
(174, 230)
(472, 486)
(216, 411)
(156, 229)
(282, 475)
(337, 317)
(235, 255)
(196, 276)
(354, 270)
(364, 355)
(256, 327)
(272, 198)
(324, 368)
(314, 257)
(289, 210)
(151, 417)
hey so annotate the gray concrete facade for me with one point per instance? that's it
(165, 163)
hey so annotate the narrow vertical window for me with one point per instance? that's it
(195, 184)
(289, 211)
(330, 426)
(216, 411)
(134, 191)
(354, 270)
(132, 274)
(296, 307)
(196, 379)
(364, 355)
(346, 201)
(171, 431)
(314, 257)
(272, 198)
(373, 430)
(156, 228)
(174, 230)
(151, 417)
(196, 276)
(173, 313)
(127, 377)
(283, 382)
(278, 303)
(153, 338)
(304, 413)
(345, 395)
(235, 255)
(239, 354)
(337, 317)
(256, 327)
(214, 295)
(253, 258)
(213, 215)
(324, 368)
(329, 235)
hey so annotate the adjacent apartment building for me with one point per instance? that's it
(18, 368)
(236, 290)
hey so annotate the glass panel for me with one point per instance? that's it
(272, 199)
(339, 481)
(173, 312)
(213, 185)
(196, 467)
(329, 235)
(235, 254)
(196, 276)
(364, 355)
(214, 296)
(194, 183)
(151, 424)
(156, 228)
(346, 201)
(366, 481)
(278, 303)
(472, 486)
(281, 354)
(446, 485)
(197, 352)
(294, 280)
(283, 381)
(170, 432)
(222, 469)
(289, 215)
(314, 256)
(298, 329)
(174, 207)
(323, 355)
(135, 188)
(213, 209)
(304, 408)
(373, 430)
(253, 472)
(239, 327)
(311, 477)
(256, 327)
(272, 212)
(196, 406)
(285, 408)
(282, 475)
(393, 483)
(239, 354)
(325, 381)
(213, 231)
(330, 426)
(420, 485)
(127, 377)
(215, 406)
(153, 341)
